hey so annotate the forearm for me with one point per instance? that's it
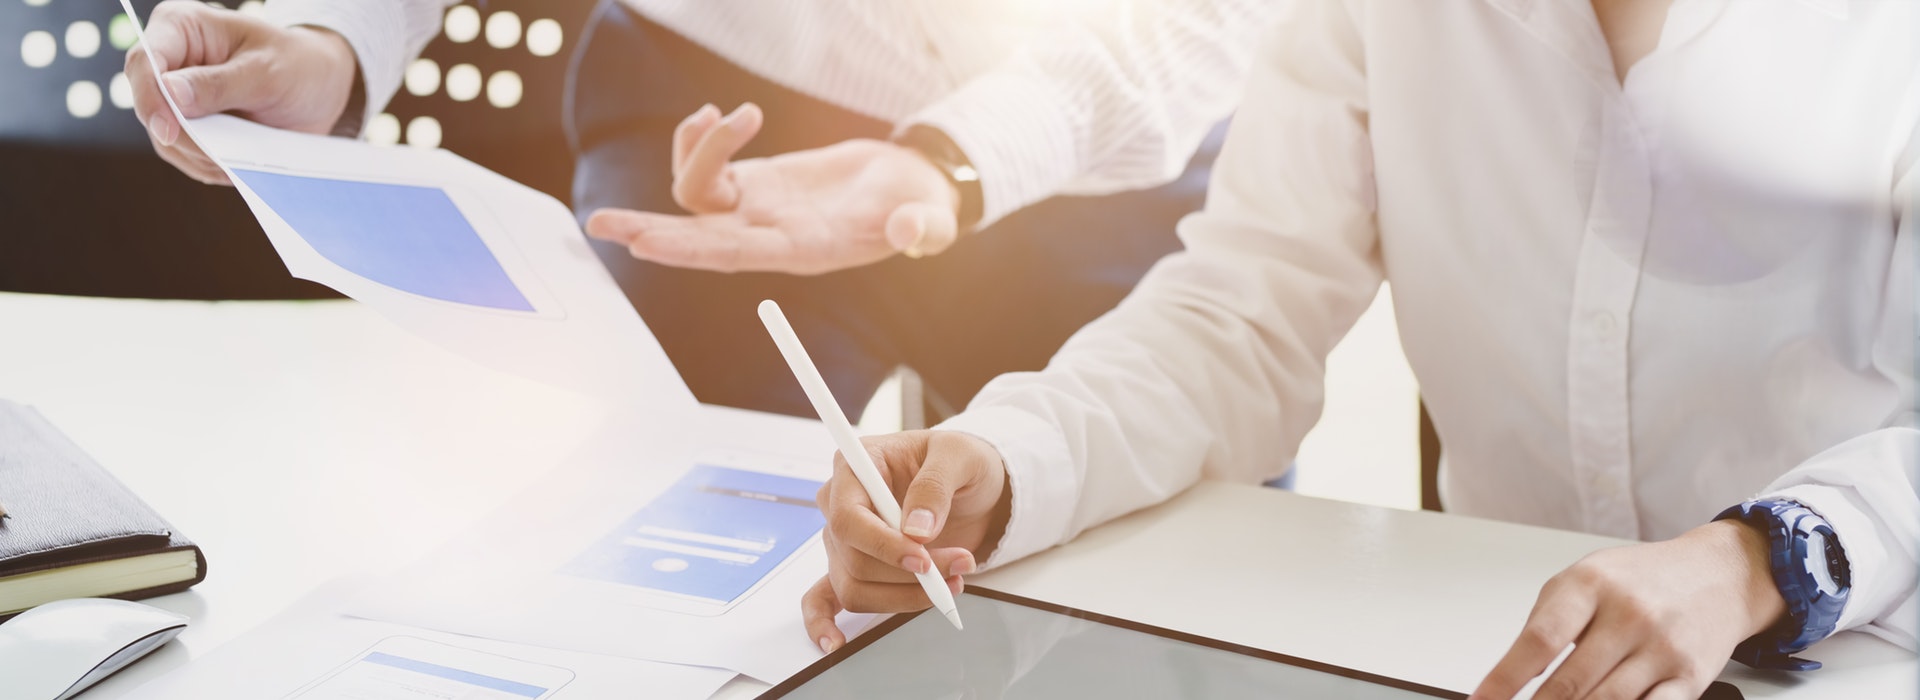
(1103, 104)
(1213, 366)
(386, 35)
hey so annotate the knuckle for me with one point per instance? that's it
(930, 483)
(859, 599)
(1670, 652)
(1613, 691)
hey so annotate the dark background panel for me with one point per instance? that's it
(87, 209)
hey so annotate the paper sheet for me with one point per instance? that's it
(312, 653)
(477, 263)
(531, 575)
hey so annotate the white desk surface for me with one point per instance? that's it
(298, 441)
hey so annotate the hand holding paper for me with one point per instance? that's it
(217, 60)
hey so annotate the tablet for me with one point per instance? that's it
(1017, 647)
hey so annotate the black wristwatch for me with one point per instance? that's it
(945, 155)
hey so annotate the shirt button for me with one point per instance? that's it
(1604, 323)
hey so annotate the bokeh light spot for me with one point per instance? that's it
(38, 49)
(503, 29)
(83, 99)
(423, 77)
(463, 82)
(423, 132)
(462, 24)
(504, 89)
(544, 37)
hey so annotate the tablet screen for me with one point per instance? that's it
(1018, 648)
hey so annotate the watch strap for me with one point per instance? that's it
(1812, 614)
(945, 155)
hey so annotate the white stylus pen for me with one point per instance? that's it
(850, 447)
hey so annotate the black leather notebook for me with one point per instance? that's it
(74, 531)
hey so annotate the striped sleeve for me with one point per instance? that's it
(1105, 103)
(385, 35)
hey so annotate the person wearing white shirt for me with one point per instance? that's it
(1653, 264)
(1057, 139)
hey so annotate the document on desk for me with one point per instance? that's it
(625, 550)
(310, 652)
(475, 262)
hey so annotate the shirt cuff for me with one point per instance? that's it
(1866, 554)
(375, 30)
(1039, 471)
(1017, 133)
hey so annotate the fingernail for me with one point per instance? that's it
(182, 92)
(826, 645)
(914, 563)
(962, 567)
(919, 523)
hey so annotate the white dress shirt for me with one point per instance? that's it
(1627, 307)
(1045, 97)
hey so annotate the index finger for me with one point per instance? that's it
(689, 132)
(855, 524)
(703, 184)
(1557, 619)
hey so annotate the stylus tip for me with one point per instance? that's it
(953, 616)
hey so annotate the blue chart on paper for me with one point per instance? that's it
(712, 535)
(446, 674)
(407, 237)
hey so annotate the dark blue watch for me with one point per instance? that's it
(1810, 569)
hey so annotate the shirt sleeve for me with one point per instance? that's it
(386, 35)
(1868, 488)
(1103, 105)
(1214, 366)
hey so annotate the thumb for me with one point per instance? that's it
(930, 497)
(919, 229)
(204, 90)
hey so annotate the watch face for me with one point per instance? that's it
(1819, 553)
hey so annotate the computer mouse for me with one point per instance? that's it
(54, 651)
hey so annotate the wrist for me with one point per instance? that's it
(1749, 557)
(997, 519)
(938, 149)
(339, 75)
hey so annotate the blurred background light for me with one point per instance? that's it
(423, 132)
(38, 48)
(120, 91)
(120, 32)
(83, 39)
(462, 24)
(504, 89)
(83, 99)
(463, 82)
(384, 129)
(423, 77)
(545, 37)
(503, 29)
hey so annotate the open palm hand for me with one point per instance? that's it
(853, 203)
